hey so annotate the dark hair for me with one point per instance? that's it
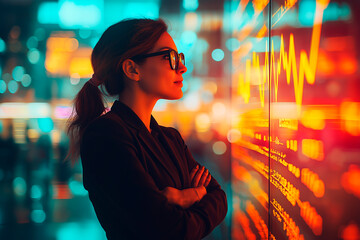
(121, 41)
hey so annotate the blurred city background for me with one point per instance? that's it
(271, 107)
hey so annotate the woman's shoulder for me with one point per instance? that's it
(108, 123)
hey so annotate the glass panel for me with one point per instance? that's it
(250, 119)
(314, 120)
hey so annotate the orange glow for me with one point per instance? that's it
(202, 122)
(241, 173)
(258, 221)
(191, 21)
(62, 44)
(57, 62)
(292, 144)
(325, 64)
(351, 232)
(80, 63)
(64, 57)
(338, 44)
(241, 218)
(313, 149)
(323, 3)
(61, 191)
(289, 123)
(262, 32)
(350, 180)
(81, 66)
(313, 119)
(259, 5)
(313, 182)
(294, 170)
(311, 217)
(350, 115)
(211, 87)
(348, 65)
(254, 187)
(290, 3)
(185, 124)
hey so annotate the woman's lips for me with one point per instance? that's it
(179, 83)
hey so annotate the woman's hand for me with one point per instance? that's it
(173, 195)
(184, 198)
(200, 177)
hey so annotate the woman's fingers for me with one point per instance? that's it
(203, 178)
(207, 181)
(193, 171)
(198, 174)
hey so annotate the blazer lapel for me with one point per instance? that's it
(130, 117)
(171, 149)
(155, 149)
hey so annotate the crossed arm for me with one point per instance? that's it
(185, 198)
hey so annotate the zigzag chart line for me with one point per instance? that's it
(287, 62)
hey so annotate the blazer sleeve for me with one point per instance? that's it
(213, 206)
(111, 160)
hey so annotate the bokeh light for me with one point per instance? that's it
(188, 38)
(2, 45)
(233, 135)
(72, 15)
(2, 86)
(202, 122)
(232, 44)
(26, 80)
(36, 192)
(19, 185)
(190, 5)
(218, 55)
(32, 42)
(48, 13)
(38, 216)
(18, 72)
(192, 101)
(33, 56)
(75, 78)
(46, 125)
(13, 86)
(219, 148)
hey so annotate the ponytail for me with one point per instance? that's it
(88, 105)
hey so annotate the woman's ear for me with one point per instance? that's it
(131, 69)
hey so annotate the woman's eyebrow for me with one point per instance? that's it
(167, 48)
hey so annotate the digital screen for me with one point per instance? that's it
(296, 103)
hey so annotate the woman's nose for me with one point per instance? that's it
(181, 69)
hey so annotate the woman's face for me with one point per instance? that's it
(156, 76)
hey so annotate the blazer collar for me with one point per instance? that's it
(130, 117)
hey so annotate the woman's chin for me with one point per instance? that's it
(174, 96)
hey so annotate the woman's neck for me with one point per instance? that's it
(140, 104)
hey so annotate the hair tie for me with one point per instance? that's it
(94, 81)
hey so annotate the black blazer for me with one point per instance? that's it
(124, 169)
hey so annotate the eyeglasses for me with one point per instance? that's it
(174, 57)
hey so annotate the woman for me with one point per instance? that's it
(141, 178)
